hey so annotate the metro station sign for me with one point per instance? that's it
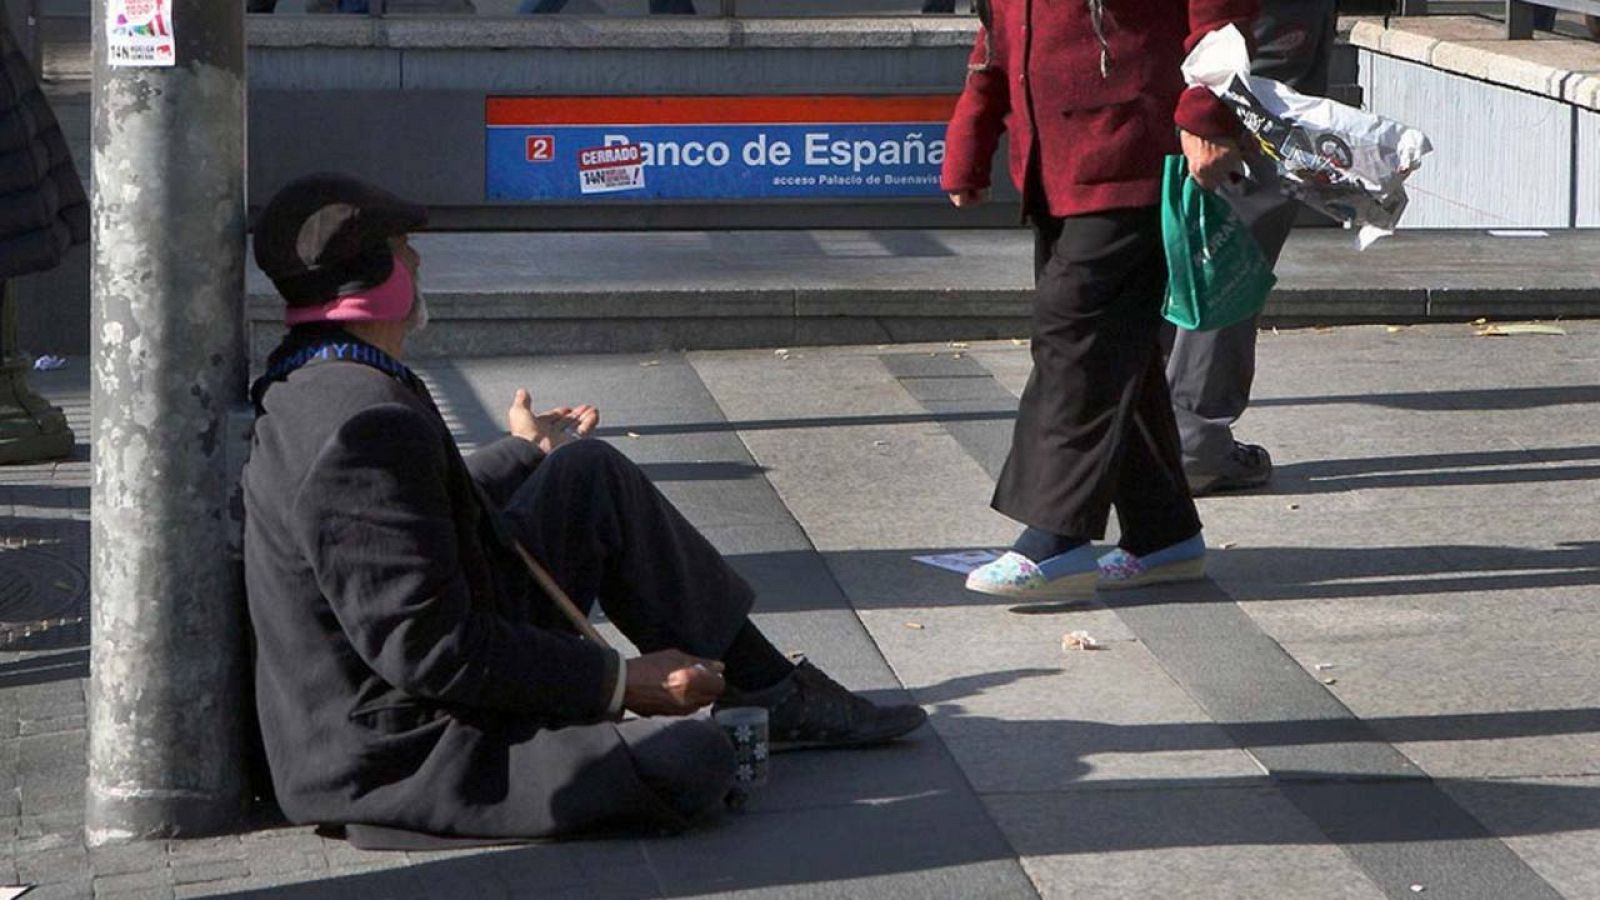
(714, 148)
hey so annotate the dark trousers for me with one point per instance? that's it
(1094, 428)
(606, 533)
(1211, 372)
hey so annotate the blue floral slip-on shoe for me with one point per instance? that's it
(1064, 576)
(1183, 561)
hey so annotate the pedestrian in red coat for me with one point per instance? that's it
(1093, 98)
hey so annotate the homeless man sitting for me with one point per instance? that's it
(411, 679)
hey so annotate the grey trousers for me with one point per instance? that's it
(1210, 373)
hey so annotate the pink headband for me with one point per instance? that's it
(388, 302)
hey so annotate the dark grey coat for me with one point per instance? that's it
(43, 210)
(407, 673)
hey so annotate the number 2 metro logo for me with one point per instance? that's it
(541, 148)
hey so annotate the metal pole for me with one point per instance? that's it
(166, 687)
(1519, 20)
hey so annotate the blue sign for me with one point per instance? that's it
(536, 152)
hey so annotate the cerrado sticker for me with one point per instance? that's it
(604, 170)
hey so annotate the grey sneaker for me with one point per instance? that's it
(809, 709)
(1245, 466)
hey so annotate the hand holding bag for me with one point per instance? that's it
(1216, 272)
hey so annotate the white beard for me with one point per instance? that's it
(417, 319)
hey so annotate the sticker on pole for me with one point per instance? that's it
(139, 33)
(606, 170)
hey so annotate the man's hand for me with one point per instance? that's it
(553, 428)
(671, 683)
(1211, 163)
(968, 198)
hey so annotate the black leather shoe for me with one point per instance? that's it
(1245, 466)
(810, 710)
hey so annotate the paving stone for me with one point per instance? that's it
(50, 700)
(883, 464)
(152, 882)
(52, 792)
(1175, 841)
(211, 870)
(81, 888)
(127, 859)
(468, 879)
(186, 849)
(291, 862)
(866, 776)
(341, 855)
(926, 844)
(153, 892)
(1475, 705)
(1019, 714)
(1552, 823)
(198, 891)
(44, 843)
(276, 884)
(390, 884)
(294, 836)
(65, 822)
(54, 725)
(65, 864)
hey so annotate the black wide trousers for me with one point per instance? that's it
(1095, 427)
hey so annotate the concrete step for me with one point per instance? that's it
(507, 294)
(67, 47)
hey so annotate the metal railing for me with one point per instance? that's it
(1521, 17)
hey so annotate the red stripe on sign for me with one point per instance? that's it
(801, 110)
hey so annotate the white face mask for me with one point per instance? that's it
(417, 318)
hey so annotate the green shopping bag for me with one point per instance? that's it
(1216, 272)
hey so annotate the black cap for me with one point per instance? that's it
(328, 234)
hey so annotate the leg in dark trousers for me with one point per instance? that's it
(1094, 426)
(1211, 372)
(606, 533)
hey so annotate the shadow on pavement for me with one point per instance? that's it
(840, 818)
(1482, 400)
(1329, 476)
(47, 496)
(1012, 745)
(1298, 573)
(908, 836)
(890, 579)
(72, 664)
(701, 471)
(877, 420)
